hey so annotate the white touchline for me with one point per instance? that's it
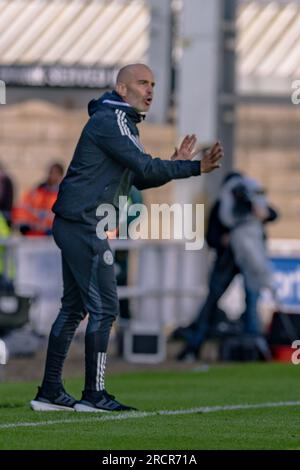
(146, 414)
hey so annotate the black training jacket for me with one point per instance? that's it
(109, 159)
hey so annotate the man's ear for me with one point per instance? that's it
(121, 89)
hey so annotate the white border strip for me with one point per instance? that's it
(140, 414)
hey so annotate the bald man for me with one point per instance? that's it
(108, 160)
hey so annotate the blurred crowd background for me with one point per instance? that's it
(225, 69)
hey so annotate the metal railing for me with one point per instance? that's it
(166, 287)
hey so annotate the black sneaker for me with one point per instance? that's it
(100, 402)
(56, 401)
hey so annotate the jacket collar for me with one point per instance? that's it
(115, 101)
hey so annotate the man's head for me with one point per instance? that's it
(55, 174)
(135, 84)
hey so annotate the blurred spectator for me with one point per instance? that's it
(243, 209)
(235, 231)
(6, 202)
(34, 216)
(6, 195)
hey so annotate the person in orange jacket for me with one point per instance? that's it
(34, 216)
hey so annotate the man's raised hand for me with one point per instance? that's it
(187, 149)
(211, 158)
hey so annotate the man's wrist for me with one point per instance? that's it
(195, 168)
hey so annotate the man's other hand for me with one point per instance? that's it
(211, 159)
(187, 149)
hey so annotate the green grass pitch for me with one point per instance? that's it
(268, 427)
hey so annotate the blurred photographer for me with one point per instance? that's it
(243, 210)
(242, 201)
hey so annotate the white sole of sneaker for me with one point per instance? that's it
(40, 406)
(88, 409)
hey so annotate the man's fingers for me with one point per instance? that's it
(183, 143)
(216, 156)
(192, 142)
(216, 153)
(185, 140)
(215, 146)
(212, 157)
(189, 141)
(189, 150)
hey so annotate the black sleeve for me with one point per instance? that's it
(127, 151)
(158, 180)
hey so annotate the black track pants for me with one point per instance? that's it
(89, 287)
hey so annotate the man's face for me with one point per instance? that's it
(138, 89)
